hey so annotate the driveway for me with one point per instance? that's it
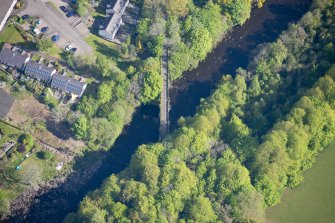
(58, 24)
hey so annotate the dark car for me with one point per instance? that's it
(26, 16)
(70, 14)
(74, 1)
(74, 50)
(64, 9)
(55, 38)
(44, 29)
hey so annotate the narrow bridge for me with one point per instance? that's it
(165, 101)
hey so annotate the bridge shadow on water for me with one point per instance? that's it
(54, 205)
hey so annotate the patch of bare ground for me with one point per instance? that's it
(36, 118)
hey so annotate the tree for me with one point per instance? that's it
(152, 87)
(104, 94)
(101, 133)
(46, 155)
(106, 66)
(27, 140)
(200, 210)
(248, 206)
(177, 7)
(238, 10)
(44, 44)
(80, 127)
(201, 42)
(82, 7)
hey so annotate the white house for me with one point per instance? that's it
(113, 20)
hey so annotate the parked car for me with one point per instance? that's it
(38, 22)
(68, 48)
(26, 16)
(44, 29)
(55, 38)
(70, 14)
(64, 9)
(74, 50)
(36, 31)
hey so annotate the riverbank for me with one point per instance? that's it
(313, 199)
(52, 202)
(264, 25)
(147, 129)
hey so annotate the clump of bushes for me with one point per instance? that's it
(45, 155)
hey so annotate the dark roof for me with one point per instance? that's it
(42, 67)
(6, 5)
(6, 102)
(68, 80)
(13, 58)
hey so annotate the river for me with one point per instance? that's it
(264, 25)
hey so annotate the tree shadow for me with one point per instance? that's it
(59, 129)
(92, 169)
(106, 50)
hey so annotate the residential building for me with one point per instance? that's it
(39, 71)
(68, 84)
(7, 148)
(6, 9)
(14, 57)
(113, 20)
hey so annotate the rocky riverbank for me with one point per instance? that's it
(67, 183)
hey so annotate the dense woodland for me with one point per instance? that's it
(132, 77)
(253, 137)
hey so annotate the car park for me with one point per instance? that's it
(70, 14)
(44, 29)
(55, 38)
(26, 16)
(64, 9)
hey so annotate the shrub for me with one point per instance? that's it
(45, 155)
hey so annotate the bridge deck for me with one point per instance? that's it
(165, 102)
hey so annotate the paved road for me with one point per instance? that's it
(57, 24)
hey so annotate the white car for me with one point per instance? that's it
(68, 48)
(36, 31)
(38, 22)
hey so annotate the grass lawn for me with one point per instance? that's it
(54, 51)
(102, 47)
(50, 99)
(314, 200)
(10, 133)
(10, 35)
(47, 167)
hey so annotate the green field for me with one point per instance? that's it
(102, 47)
(314, 200)
(10, 35)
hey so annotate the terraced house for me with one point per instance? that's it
(14, 57)
(68, 84)
(40, 72)
(113, 20)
